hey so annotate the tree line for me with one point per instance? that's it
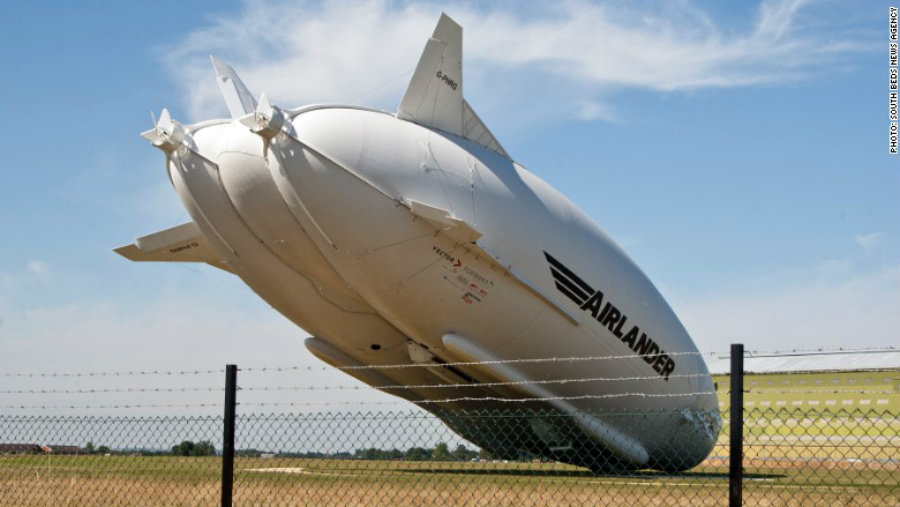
(440, 452)
(185, 448)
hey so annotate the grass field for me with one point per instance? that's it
(864, 391)
(787, 473)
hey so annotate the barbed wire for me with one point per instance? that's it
(469, 384)
(872, 372)
(130, 390)
(818, 351)
(563, 381)
(329, 368)
(111, 373)
(760, 376)
(820, 391)
(573, 359)
(719, 354)
(364, 402)
(115, 406)
(474, 398)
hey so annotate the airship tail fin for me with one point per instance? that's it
(238, 98)
(434, 97)
(475, 130)
(182, 243)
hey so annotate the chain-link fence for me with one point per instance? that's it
(816, 457)
(91, 461)
(815, 439)
(792, 457)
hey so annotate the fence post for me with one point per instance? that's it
(228, 434)
(736, 434)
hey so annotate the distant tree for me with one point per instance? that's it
(364, 453)
(417, 454)
(103, 449)
(190, 448)
(89, 448)
(463, 454)
(185, 448)
(441, 452)
(485, 455)
(374, 453)
(203, 448)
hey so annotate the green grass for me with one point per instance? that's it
(865, 392)
(814, 473)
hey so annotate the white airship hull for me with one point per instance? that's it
(398, 242)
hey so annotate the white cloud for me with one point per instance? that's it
(834, 267)
(7, 286)
(869, 242)
(812, 310)
(39, 268)
(591, 110)
(301, 53)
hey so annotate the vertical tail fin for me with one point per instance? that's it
(237, 97)
(434, 97)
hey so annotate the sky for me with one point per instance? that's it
(737, 152)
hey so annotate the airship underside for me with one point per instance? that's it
(414, 239)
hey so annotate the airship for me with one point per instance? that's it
(424, 261)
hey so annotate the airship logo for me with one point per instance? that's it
(610, 317)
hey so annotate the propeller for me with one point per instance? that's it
(262, 118)
(167, 134)
(267, 121)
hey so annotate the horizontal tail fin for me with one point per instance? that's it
(182, 243)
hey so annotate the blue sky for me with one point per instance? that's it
(739, 155)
